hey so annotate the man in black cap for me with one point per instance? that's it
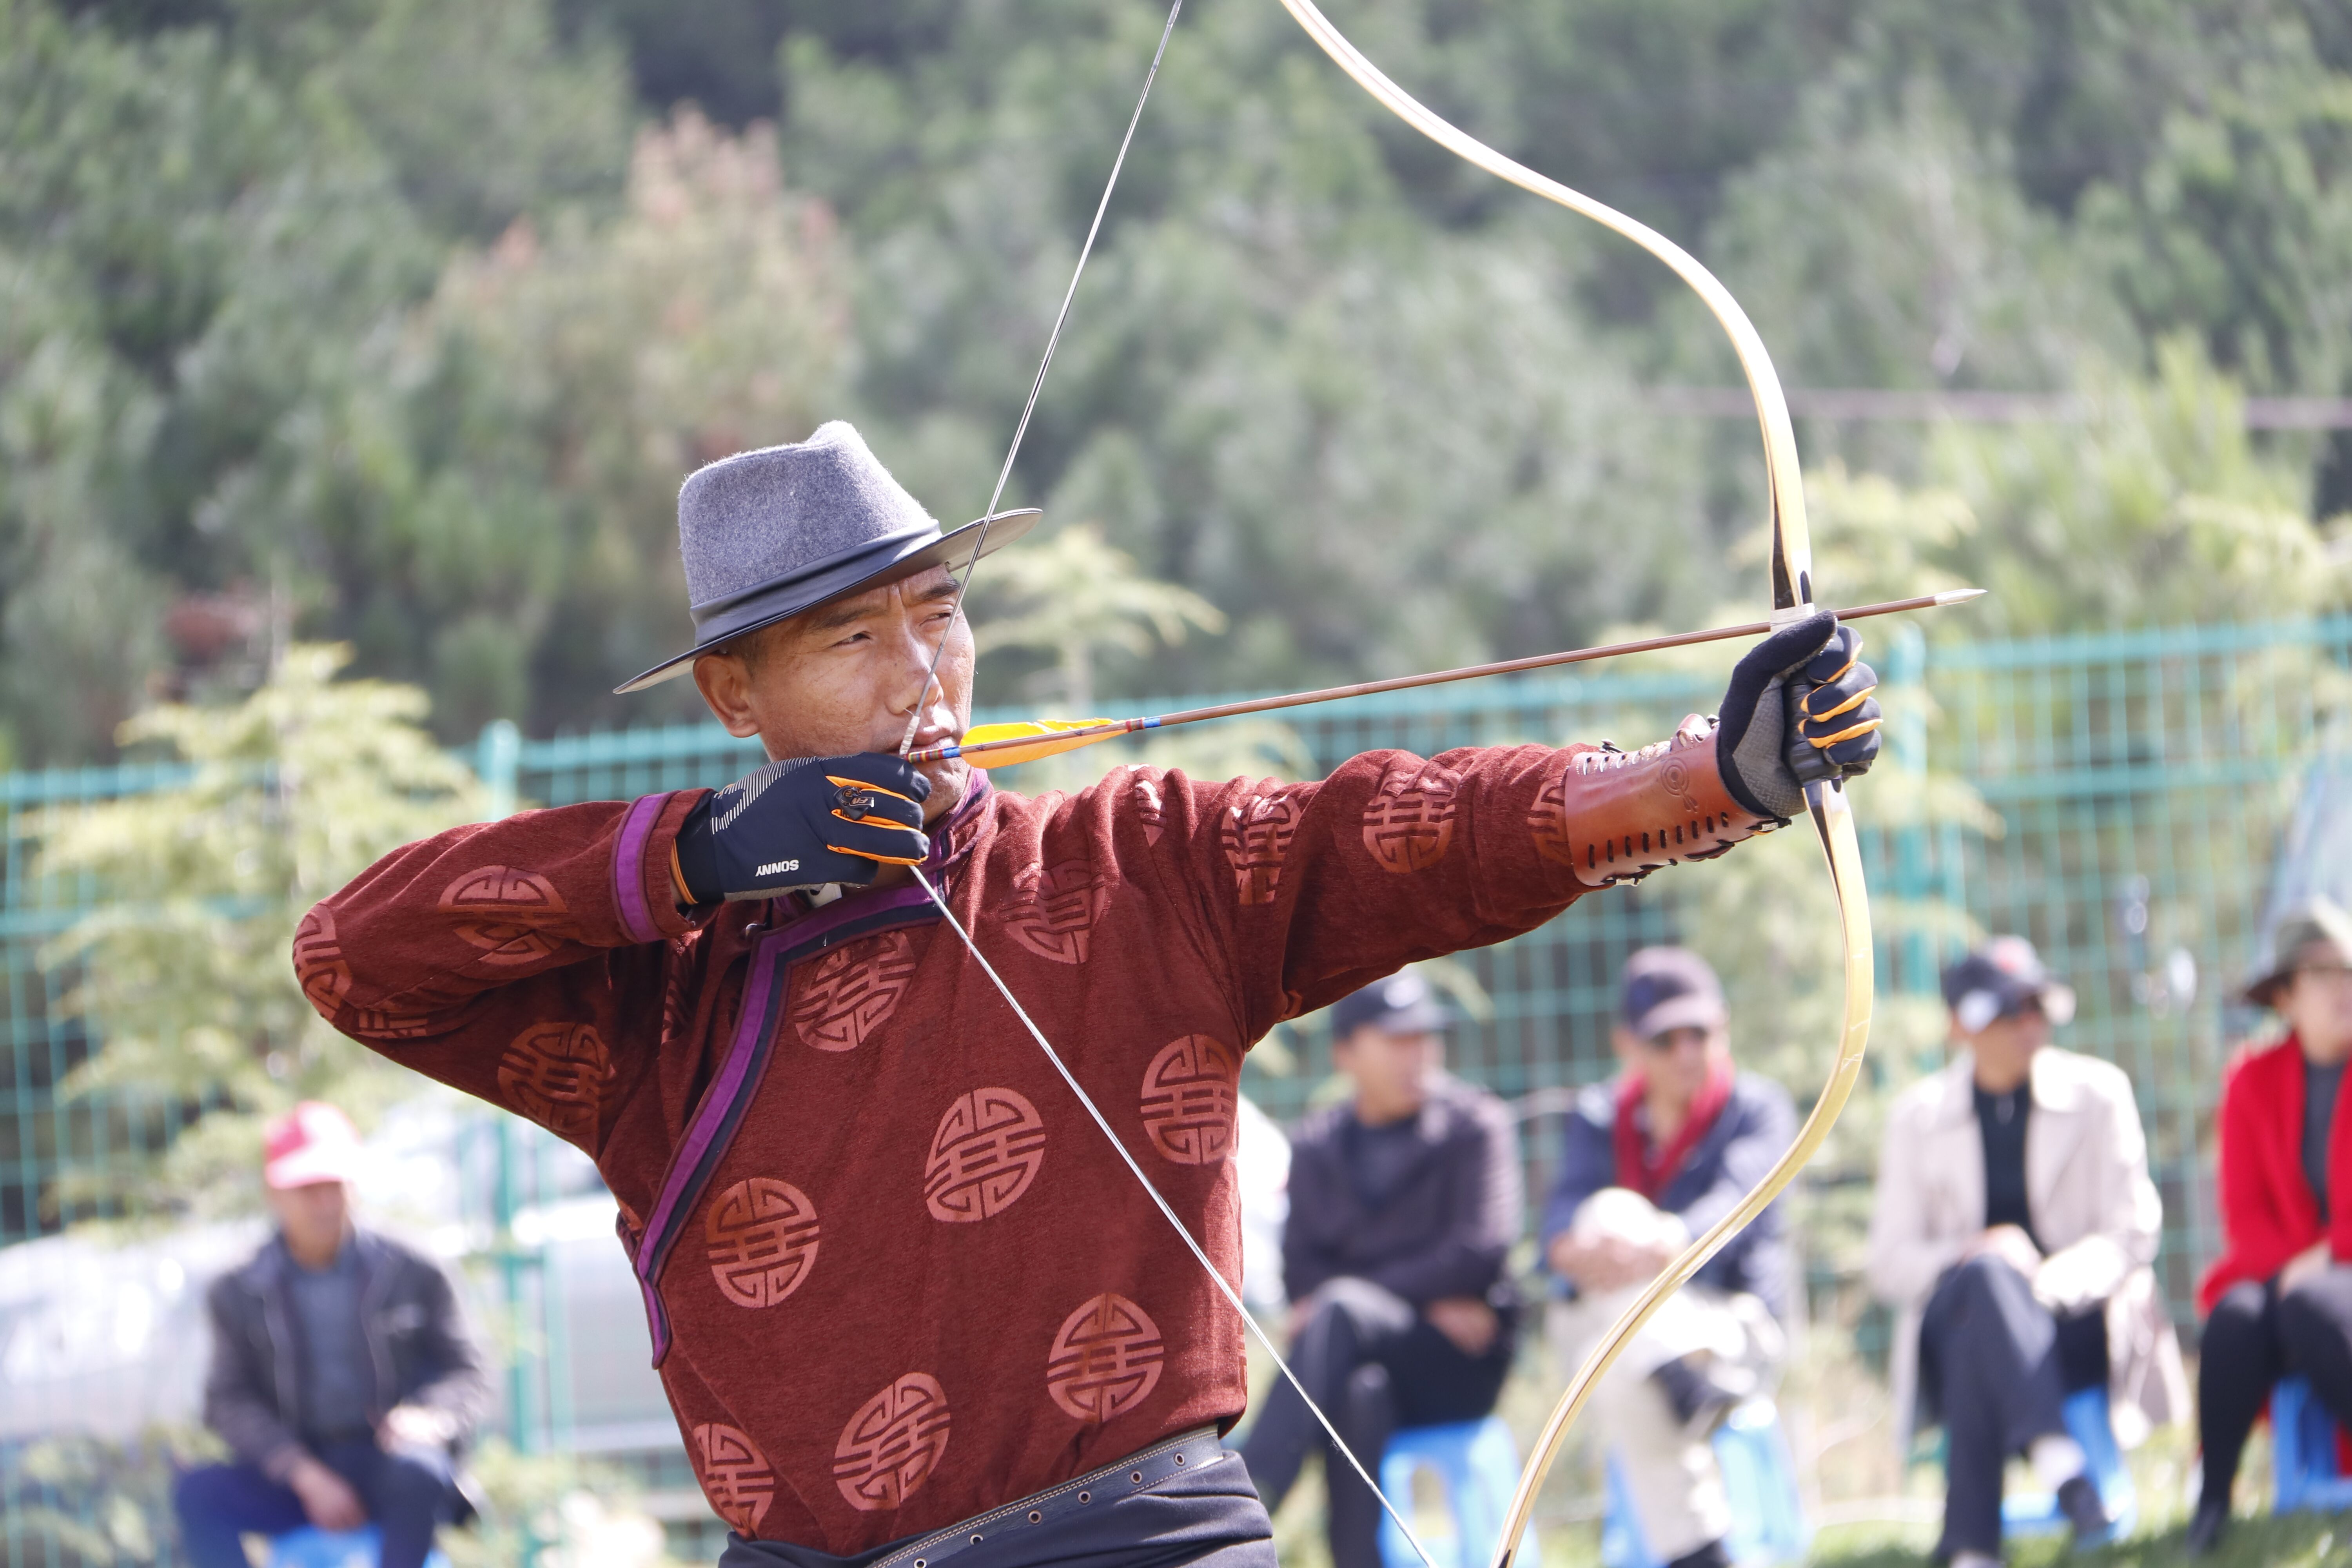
(1404, 1201)
(1647, 1162)
(2014, 1229)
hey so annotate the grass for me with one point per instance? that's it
(2296, 1540)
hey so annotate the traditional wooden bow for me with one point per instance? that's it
(1793, 599)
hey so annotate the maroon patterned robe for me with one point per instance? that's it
(897, 1276)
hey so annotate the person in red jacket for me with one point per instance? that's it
(2280, 1298)
(907, 1302)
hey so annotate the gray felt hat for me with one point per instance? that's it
(2318, 919)
(769, 533)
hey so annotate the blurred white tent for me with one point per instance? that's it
(106, 1335)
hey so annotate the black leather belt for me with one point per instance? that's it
(1137, 1472)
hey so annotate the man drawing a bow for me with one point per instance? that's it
(906, 1304)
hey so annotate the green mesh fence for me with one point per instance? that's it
(2118, 798)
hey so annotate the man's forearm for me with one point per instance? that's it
(1616, 816)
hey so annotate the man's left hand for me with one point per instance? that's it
(1798, 711)
(1469, 1322)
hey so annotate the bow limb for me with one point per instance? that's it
(1792, 595)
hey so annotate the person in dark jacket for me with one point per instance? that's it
(344, 1377)
(1404, 1202)
(1649, 1161)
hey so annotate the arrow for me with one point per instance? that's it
(1027, 740)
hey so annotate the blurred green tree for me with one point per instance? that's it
(181, 968)
(496, 496)
(1077, 598)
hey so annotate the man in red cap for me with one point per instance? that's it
(343, 1378)
(907, 1300)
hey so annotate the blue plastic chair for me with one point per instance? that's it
(310, 1547)
(1479, 1466)
(1759, 1481)
(2087, 1422)
(2303, 1452)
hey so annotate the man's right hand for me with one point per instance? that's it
(2010, 1245)
(2312, 1261)
(1605, 1262)
(327, 1498)
(803, 822)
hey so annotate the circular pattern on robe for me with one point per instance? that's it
(490, 899)
(762, 1236)
(893, 1443)
(735, 1475)
(983, 1156)
(555, 1074)
(1191, 1093)
(1256, 837)
(1409, 821)
(1106, 1359)
(839, 1001)
(1053, 917)
(319, 962)
(1547, 819)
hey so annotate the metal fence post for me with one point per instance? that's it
(497, 755)
(1907, 749)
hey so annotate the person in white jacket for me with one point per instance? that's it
(2014, 1230)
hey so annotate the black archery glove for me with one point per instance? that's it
(801, 822)
(1798, 711)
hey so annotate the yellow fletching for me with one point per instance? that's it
(1047, 737)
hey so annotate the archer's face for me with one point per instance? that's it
(842, 678)
(1675, 1064)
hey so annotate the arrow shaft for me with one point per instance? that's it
(1406, 682)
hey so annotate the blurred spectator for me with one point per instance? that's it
(343, 1378)
(1646, 1163)
(2280, 1298)
(1404, 1202)
(2014, 1229)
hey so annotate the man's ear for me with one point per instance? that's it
(725, 683)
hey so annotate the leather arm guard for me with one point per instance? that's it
(1616, 816)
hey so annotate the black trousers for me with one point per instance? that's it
(1374, 1364)
(1997, 1366)
(2256, 1335)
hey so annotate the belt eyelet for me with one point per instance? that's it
(1136, 1476)
(975, 1540)
(1086, 1496)
(1036, 1517)
(1179, 1458)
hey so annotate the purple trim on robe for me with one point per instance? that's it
(681, 1182)
(629, 868)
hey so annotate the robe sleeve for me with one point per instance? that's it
(1307, 891)
(525, 961)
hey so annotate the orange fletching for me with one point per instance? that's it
(1000, 745)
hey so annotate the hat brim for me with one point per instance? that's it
(1427, 1016)
(954, 551)
(1690, 1011)
(311, 1167)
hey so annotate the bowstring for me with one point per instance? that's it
(905, 744)
(1037, 384)
(1168, 1212)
